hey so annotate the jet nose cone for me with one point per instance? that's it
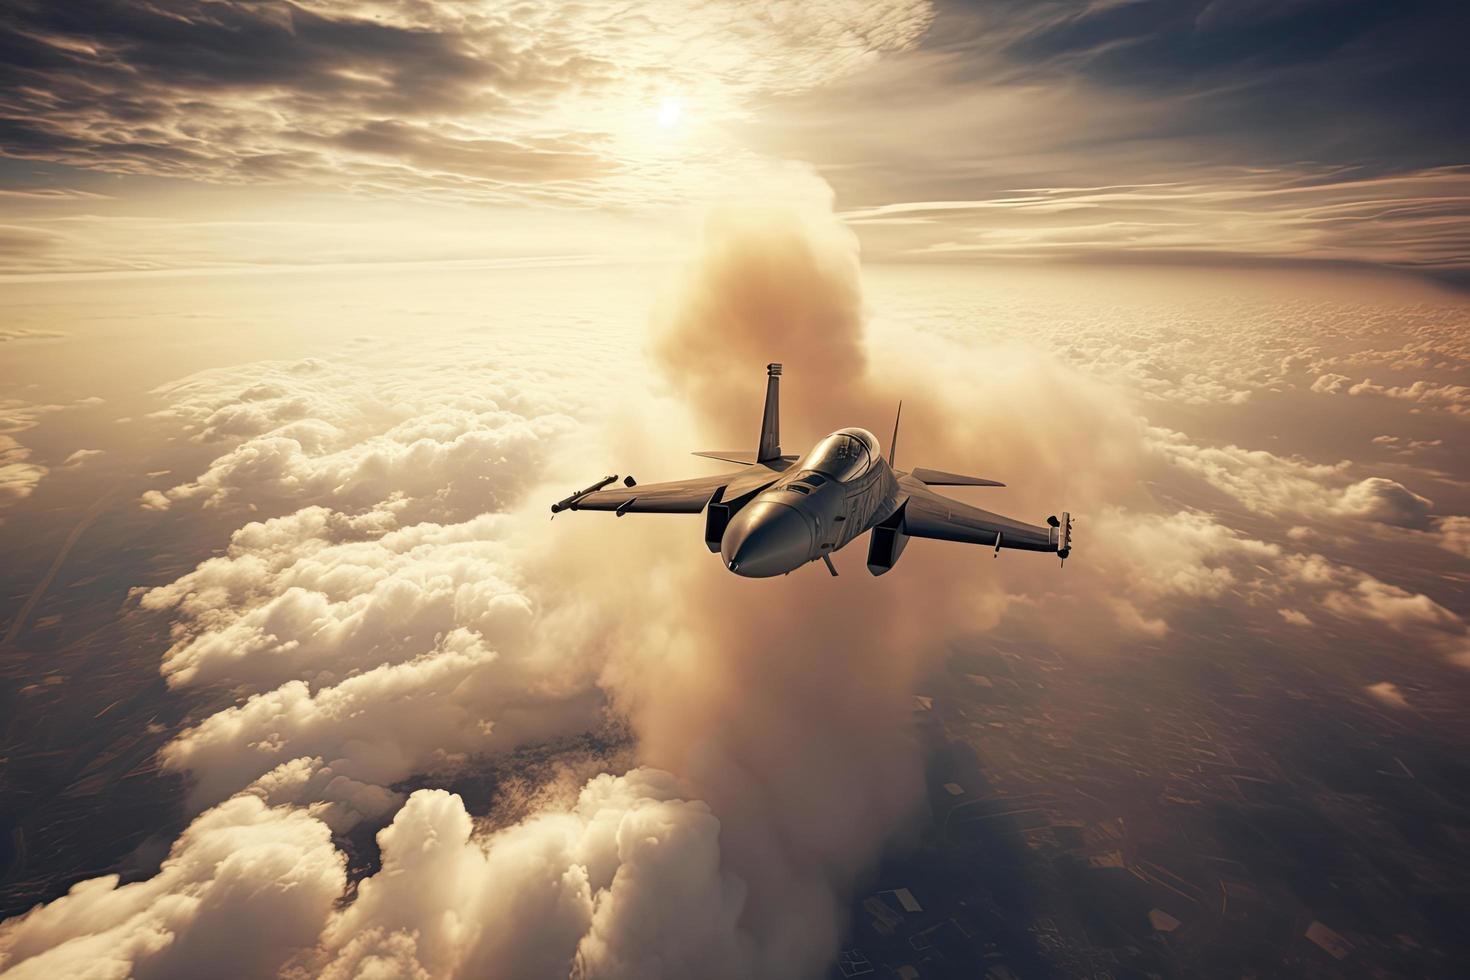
(766, 538)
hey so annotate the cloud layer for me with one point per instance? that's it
(1323, 132)
(397, 609)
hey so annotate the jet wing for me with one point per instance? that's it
(676, 496)
(929, 515)
(739, 456)
(939, 478)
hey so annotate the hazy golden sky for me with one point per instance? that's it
(218, 134)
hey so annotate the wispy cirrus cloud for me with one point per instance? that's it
(1418, 220)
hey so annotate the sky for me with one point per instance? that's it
(143, 136)
(311, 308)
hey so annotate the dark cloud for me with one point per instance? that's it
(121, 47)
(273, 92)
(1379, 85)
(401, 97)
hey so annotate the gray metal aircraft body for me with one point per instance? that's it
(781, 511)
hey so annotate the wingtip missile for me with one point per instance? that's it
(570, 501)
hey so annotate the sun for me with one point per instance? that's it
(670, 112)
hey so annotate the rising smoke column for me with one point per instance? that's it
(786, 704)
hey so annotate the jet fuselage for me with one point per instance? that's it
(836, 492)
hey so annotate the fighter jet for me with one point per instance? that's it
(782, 511)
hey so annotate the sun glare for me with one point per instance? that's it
(670, 111)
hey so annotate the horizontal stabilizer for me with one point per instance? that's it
(939, 478)
(737, 456)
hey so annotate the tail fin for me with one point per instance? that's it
(893, 444)
(770, 444)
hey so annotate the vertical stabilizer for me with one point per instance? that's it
(770, 445)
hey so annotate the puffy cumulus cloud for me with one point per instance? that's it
(336, 800)
(1190, 338)
(428, 714)
(528, 102)
(1385, 501)
(1271, 484)
(1368, 598)
(19, 471)
(296, 595)
(245, 885)
(627, 882)
(1258, 479)
(1454, 534)
(386, 651)
(1186, 554)
(81, 456)
(1150, 568)
(1406, 447)
(1146, 569)
(18, 474)
(1416, 353)
(1388, 693)
(440, 437)
(1361, 598)
(1451, 398)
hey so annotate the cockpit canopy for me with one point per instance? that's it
(844, 455)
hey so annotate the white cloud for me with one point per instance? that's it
(319, 594)
(18, 475)
(1454, 534)
(1295, 617)
(1368, 598)
(81, 456)
(1451, 398)
(429, 714)
(1152, 566)
(1277, 485)
(448, 437)
(1182, 555)
(1385, 501)
(386, 651)
(245, 885)
(628, 882)
(334, 799)
(1388, 693)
